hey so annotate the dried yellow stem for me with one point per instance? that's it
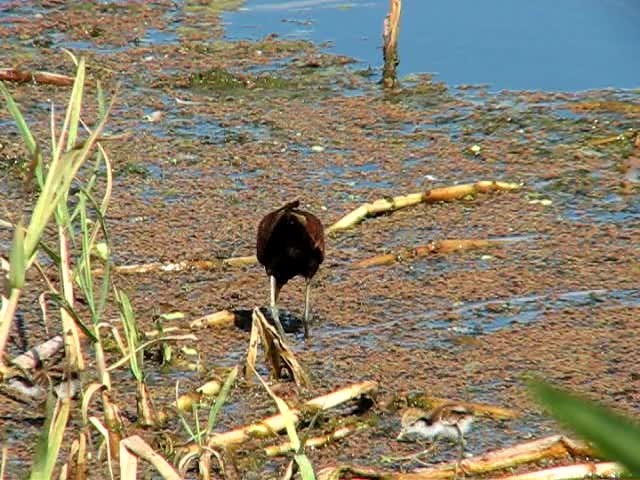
(272, 425)
(443, 194)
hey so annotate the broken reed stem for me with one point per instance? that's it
(440, 246)
(22, 76)
(556, 446)
(179, 266)
(217, 319)
(34, 357)
(390, 31)
(443, 194)
(276, 423)
(384, 205)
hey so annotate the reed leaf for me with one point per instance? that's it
(616, 436)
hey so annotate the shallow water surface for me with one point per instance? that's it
(565, 45)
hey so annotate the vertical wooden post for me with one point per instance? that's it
(390, 44)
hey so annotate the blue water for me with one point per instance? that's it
(553, 45)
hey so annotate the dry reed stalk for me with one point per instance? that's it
(553, 447)
(272, 425)
(556, 446)
(440, 246)
(179, 266)
(442, 194)
(72, 334)
(582, 470)
(34, 357)
(313, 442)
(22, 76)
(222, 318)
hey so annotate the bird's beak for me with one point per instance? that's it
(401, 437)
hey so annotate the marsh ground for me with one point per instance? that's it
(219, 133)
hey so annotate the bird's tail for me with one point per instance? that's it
(290, 205)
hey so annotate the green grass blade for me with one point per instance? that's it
(617, 437)
(16, 259)
(106, 273)
(23, 128)
(304, 464)
(131, 333)
(220, 399)
(50, 440)
(75, 105)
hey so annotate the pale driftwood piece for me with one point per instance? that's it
(22, 76)
(272, 425)
(313, 442)
(222, 318)
(141, 449)
(390, 32)
(440, 246)
(34, 357)
(582, 470)
(443, 194)
(179, 266)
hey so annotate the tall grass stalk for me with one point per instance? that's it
(54, 190)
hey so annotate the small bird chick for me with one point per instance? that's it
(450, 420)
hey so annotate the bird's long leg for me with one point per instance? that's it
(461, 455)
(275, 292)
(307, 295)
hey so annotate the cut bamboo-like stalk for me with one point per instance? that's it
(442, 194)
(582, 470)
(272, 425)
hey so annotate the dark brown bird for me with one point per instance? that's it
(290, 242)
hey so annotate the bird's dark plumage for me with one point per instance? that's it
(290, 242)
